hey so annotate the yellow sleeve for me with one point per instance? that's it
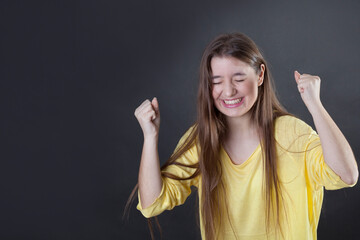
(174, 192)
(303, 142)
(317, 169)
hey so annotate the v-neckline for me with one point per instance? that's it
(243, 163)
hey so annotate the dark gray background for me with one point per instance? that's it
(73, 72)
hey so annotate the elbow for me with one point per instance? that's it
(351, 181)
(355, 177)
(353, 174)
(352, 178)
(356, 174)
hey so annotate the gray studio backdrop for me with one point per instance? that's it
(73, 72)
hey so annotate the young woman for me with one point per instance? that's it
(260, 172)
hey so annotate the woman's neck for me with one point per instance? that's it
(241, 128)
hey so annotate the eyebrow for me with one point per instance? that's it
(235, 74)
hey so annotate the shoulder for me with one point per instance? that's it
(289, 122)
(188, 135)
(289, 129)
(188, 147)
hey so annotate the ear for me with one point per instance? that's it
(261, 76)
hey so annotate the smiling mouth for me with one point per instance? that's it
(234, 101)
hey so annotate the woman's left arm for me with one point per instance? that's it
(336, 149)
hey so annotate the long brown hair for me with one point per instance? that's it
(210, 129)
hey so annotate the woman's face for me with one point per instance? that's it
(235, 86)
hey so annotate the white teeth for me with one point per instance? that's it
(233, 101)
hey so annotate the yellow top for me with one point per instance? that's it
(302, 172)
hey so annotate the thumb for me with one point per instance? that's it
(297, 76)
(155, 105)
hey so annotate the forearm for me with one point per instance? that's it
(336, 149)
(150, 182)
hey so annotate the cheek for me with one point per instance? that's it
(215, 93)
(215, 96)
(251, 88)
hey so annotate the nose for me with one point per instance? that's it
(229, 89)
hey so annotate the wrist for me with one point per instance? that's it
(151, 137)
(316, 109)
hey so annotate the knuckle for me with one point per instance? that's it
(150, 113)
(148, 109)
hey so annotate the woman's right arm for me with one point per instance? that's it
(150, 181)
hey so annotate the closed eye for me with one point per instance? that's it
(240, 80)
